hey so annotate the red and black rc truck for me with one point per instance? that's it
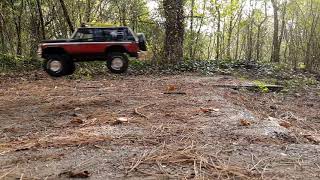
(112, 44)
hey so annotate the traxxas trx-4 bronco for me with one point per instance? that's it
(112, 45)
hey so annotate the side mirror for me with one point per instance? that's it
(142, 41)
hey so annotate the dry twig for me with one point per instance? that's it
(136, 110)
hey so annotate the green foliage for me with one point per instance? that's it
(103, 24)
(262, 86)
(18, 63)
(300, 82)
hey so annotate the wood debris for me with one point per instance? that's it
(313, 138)
(285, 124)
(72, 174)
(208, 110)
(244, 122)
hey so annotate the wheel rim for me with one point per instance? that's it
(55, 66)
(117, 63)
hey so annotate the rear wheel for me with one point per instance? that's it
(58, 65)
(117, 63)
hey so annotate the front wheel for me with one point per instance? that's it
(58, 65)
(117, 63)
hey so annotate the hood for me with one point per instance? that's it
(56, 41)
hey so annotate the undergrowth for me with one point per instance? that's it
(264, 72)
(260, 73)
(9, 63)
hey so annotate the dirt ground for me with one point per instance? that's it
(155, 127)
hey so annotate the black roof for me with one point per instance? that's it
(113, 27)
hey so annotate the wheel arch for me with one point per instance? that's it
(53, 51)
(116, 48)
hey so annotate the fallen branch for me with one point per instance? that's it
(252, 87)
(7, 173)
(178, 93)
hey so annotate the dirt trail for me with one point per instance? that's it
(128, 128)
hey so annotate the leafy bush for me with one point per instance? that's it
(9, 63)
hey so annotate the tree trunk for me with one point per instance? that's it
(2, 35)
(17, 22)
(308, 54)
(174, 30)
(238, 37)
(249, 49)
(196, 42)
(218, 31)
(275, 54)
(230, 31)
(209, 46)
(66, 15)
(43, 33)
(259, 44)
(124, 15)
(88, 11)
(191, 30)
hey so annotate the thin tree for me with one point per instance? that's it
(218, 30)
(191, 29)
(66, 15)
(43, 33)
(275, 54)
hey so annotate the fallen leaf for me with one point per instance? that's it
(171, 88)
(244, 122)
(119, 121)
(77, 109)
(204, 110)
(285, 124)
(76, 121)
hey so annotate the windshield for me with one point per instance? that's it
(83, 34)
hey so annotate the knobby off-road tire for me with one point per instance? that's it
(58, 65)
(117, 62)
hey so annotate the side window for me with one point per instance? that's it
(108, 34)
(84, 35)
(99, 35)
(120, 35)
(112, 35)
